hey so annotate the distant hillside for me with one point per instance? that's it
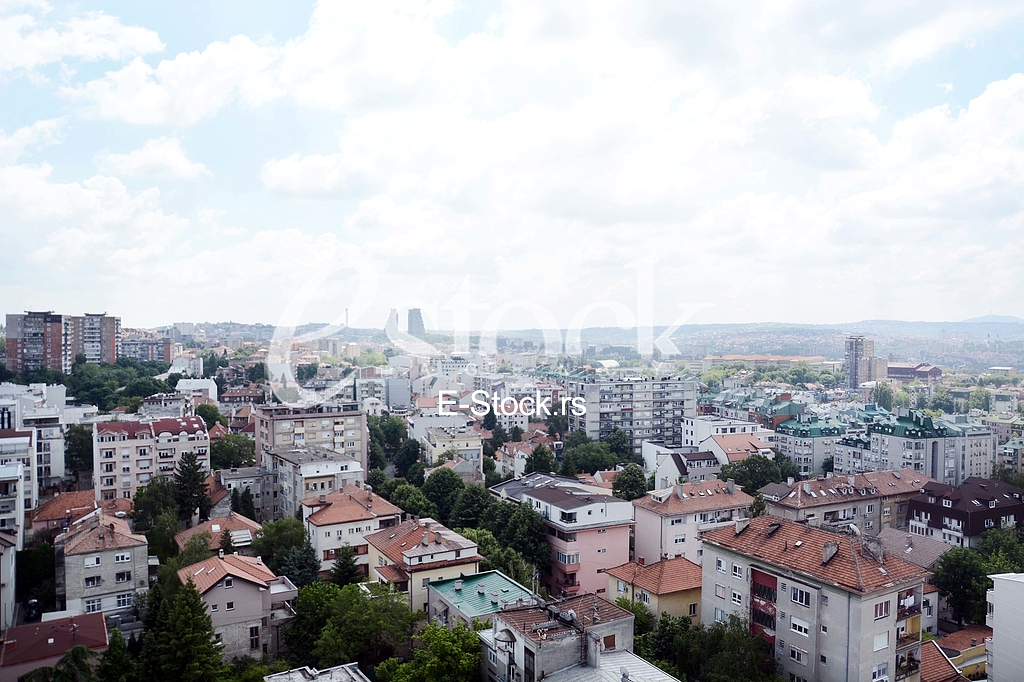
(998, 319)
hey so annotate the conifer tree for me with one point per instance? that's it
(188, 652)
(345, 570)
(116, 664)
(301, 564)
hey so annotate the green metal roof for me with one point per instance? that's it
(471, 602)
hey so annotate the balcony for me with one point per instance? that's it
(905, 612)
(907, 668)
(908, 639)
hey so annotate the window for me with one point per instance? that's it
(91, 561)
(881, 670)
(213, 607)
(737, 598)
(719, 615)
(93, 605)
(680, 539)
(822, 658)
(693, 609)
(824, 600)
(123, 577)
(824, 629)
(870, 509)
(230, 606)
(492, 657)
(737, 571)
(881, 610)
(254, 637)
(92, 581)
(802, 597)
(600, 551)
(426, 581)
(229, 583)
(798, 655)
(122, 557)
(645, 596)
(720, 565)
(568, 558)
(622, 587)
(947, 503)
(720, 591)
(881, 641)
(675, 522)
(124, 600)
(800, 626)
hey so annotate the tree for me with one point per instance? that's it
(787, 468)
(161, 535)
(247, 505)
(498, 558)
(445, 655)
(375, 479)
(276, 538)
(226, 545)
(568, 467)
(490, 420)
(365, 626)
(515, 434)
(942, 400)
(412, 500)
(593, 457)
(301, 564)
(189, 653)
(757, 506)
(961, 579)
(151, 500)
(883, 395)
(541, 459)
(395, 432)
(313, 608)
(416, 474)
(257, 373)
(196, 549)
(752, 474)
(470, 507)
(631, 483)
(442, 488)
(979, 400)
(577, 438)
(190, 483)
(407, 455)
(78, 455)
(211, 415)
(116, 664)
(345, 570)
(377, 459)
(232, 451)
(73, 666)
(644, 621)
(527, 534)
(618, 443)
(557, 422)
(828, 465)
(498, 437)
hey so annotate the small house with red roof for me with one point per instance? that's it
(40, 645)
(669, 586)
(345, 517)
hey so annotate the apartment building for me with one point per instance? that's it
(669, 586)
(948, 451)
(646, 409)
(39, 408)
(587, 532)
(809, 441)
(338, 426)
(129, 453)
(44, 339)
(958, 516)
(8, 576)
(672, 522)
(853, 455)
(415, 553)
(344, 517)
(474, 598)
(304, 471)
(247, 603)
(1005, 653)
(834, 607)
(699, 428)
(147, 347)
(257, 480)
(462, 439)
(16, 447)
(861, 365)
(581, 638)
(12, 501)
(101, 566)
(870, 501)
(686, 466)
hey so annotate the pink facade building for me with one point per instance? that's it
(587, 534)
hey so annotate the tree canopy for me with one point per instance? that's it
(443, 656)
(631, 483)
(232, 451)
(442, 488)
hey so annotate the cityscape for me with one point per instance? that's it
(511, 341)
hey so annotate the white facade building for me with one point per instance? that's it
(1005, 615)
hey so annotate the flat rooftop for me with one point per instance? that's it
(474, 599)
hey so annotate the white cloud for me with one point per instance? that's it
(38, 134)
(160, 157)
(26, 42)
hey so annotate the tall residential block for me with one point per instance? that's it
(47, 340)
(860, 362)
(416, 327)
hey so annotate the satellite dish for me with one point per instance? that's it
(855, 529)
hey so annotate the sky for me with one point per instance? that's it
(522, 164)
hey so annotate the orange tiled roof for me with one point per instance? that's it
(935, 667)
(75, 505)
(348, 503)
(839, 489)
(107, 533)
(524, 618)
(738, 443)
(697, 499)
(391, 542)
(852, 568)
(225, 524)
(206, 574)
(391, 573)
(665, 577)
(961, 639)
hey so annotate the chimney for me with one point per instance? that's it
(789, 481)
(741, 525)
(807, 487)
(323, 499)
(679, 490)
(640, 560)
(458, 585)
(974, 642)
(220, 553)
(731, 485)
(425, 540)
(851, 481)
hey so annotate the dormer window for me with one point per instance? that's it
(947, 503)
(992, 504)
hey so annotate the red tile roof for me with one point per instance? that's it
(961, 639)
(206, 574)
(348, 503)
(524, 618)
(774, 541)
(224, 524)
(665, 577)
(936, 667)
(173, 425)
(703, 496)
(15, 433)
(739, 444)
(391, 573)
(74, 505)
(97, 534)
(391, 542)
(218, 431)
(50, 640)
(130, 428)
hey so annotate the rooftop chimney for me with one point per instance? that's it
(220, 553)
(807, 487)
(851, 480)
(458, 585)
(640, 560)
(741, 525)
(323, 499)
(425, 536)
(679, 490)
(789, 481)
(731, 485)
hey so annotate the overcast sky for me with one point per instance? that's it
(796, 161)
